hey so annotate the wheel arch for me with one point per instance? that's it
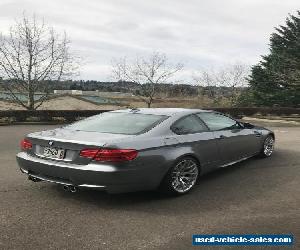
(191, 155)
(271, 133)
(187, 155)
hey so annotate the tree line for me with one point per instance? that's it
(35, 58)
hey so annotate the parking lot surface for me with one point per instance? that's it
(255, 196)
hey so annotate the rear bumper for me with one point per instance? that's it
(110, 178)
(40, 177)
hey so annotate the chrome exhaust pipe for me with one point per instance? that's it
(73, 189)
(34, 179)
(66, 188)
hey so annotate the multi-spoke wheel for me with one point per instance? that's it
(268, 146)
(182, 177)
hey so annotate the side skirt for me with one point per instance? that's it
(234, 162)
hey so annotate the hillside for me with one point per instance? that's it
(61, 103)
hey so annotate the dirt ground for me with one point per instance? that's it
(61, 103)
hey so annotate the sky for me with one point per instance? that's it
(201, 34)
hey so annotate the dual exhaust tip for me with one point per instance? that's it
(67, 188)
(70, 188)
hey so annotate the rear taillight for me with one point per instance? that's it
(89, 153)
(112, 155)
(25, 144)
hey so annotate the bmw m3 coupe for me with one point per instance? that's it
(141, 149)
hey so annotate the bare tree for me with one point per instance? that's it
(232, 76)
(30, 55)
(147, 72)
(207, 79)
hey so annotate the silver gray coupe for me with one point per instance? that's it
(141, 149)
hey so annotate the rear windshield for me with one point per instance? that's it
(118, 123)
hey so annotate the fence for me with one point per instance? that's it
(73, 115)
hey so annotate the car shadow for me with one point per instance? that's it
(230, 186)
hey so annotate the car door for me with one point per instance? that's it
(254, 141)
(191, 132)
(233, 140)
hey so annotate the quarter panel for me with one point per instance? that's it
(204, 146)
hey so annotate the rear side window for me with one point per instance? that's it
(188, 125)
(217, 121)
(118, 123)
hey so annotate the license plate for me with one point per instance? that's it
(54, 153)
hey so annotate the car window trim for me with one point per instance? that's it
(191, 133)
(152, 126)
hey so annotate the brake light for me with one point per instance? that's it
(111, 155)
(25, 144)
(88, 153)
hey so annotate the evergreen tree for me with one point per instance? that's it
(276, 79)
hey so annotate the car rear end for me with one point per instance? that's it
(85, 159)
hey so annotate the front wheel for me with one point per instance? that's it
(181, 178)
(268, 147)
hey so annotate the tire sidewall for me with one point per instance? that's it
(263, 147)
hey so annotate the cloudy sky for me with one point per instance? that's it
(198, 33)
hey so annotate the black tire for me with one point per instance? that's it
(168, 183)
(268, 142)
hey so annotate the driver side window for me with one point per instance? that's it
(217, 121)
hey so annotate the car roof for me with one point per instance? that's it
(161, 111)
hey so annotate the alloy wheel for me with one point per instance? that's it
(184, 175)
(269, 146)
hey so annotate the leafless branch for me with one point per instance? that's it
(147, 72)
(232, 76)
(31, 54)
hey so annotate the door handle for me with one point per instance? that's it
(170, 140)
(257, 134)
(221, 137)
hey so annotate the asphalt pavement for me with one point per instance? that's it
(255, 196)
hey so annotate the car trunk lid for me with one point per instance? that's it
(69, 143)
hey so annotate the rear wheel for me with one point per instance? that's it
(268, 147)
(181, 178)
